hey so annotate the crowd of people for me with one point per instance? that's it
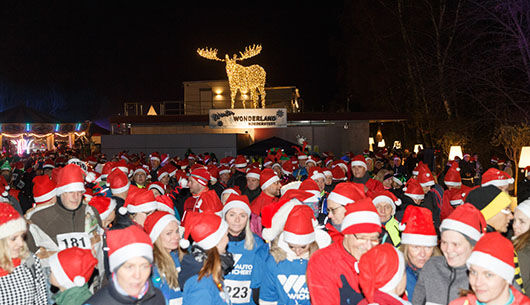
(303, 229)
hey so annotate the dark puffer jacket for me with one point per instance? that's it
(108, 295)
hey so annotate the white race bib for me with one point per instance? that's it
(74, 239)
(239, 291)
(175, 301)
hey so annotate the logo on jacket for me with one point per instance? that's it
(294, 286)
(240, 269)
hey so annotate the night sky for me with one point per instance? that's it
(127, 52)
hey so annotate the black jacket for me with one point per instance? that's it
(108, 295)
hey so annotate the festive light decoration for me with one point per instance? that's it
(524, 160)
(22, 145)
(418, 147)
(455, 151)
(249, 79)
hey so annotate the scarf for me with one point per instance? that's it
(361, 180)
(73, 296)
(16, 263)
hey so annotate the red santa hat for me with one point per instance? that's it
(495, 253)
(387, 197)
(425, 177)
(288, 168)
(467, 220)
(165, 204)
(338, 174)
(162, 172)
(118, 182)
(107, 168)
(274, 216)
(72, 267)
(104, 205)
(327, 173)
(253, 173)
(139, 169)
(154, 156)
(381, 268)
(44, 189)
(315, 173)
(267, 178)
(201, 175)
(414, 190)
(224, 170)
(416, 170)
(159, 186)
(70, 179)
(456, 196)
(236, 201)
(346, 192)
(206, 229)
(231, 190)
(142, 200)
(452, 177)
(359, 161)
(125, 244)
(122, 165)
(209, 202)
(417, 227)
(49, 164)
(496, 177)
(10, 221)
(156, 222)
(240, 162)
(309, 185)
(299, 226)
(311, 159)
(361, 217)
(164, 158)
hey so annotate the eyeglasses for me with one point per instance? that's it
(374, 241)
(506, 211)
(333, 210)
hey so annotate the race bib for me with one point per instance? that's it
(239, 291)
(175, 301)
(74, 239)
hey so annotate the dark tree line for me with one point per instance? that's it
(459, 68)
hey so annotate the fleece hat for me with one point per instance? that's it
(206, 229)
(10, 221)
(44, 189)
(490, 200)
(72, 267)
(70, 179)
(361, 217)
(128, 243)
(496, 177)
(156, 222)
(495, 253)
(466, 220)
(347, 192)
(381, 268)
(417, 227)
(236, 201)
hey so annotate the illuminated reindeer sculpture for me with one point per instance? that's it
(245, 79)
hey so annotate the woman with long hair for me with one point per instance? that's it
(290, 253)
(491, 273)
(209, 232)
(419, 243)
(521, 239)
(244, 280)
(163, 229)
(22, 280)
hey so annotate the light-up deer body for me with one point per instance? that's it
(245, 79)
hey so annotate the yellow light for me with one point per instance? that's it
(218, 91)
(243, 79)
(524, 161)
(418, 147)
(381, 143)
(455, 151)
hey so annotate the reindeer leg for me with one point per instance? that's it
(233, 97)
(262, 95)
(254, 98)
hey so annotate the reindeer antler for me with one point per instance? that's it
(209, 54)
(250, 52)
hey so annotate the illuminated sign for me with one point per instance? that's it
(248, 118)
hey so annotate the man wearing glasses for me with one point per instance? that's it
(331, 275)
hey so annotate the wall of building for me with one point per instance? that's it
(173, 144)
(333, 138)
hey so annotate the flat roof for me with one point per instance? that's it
(301, 117)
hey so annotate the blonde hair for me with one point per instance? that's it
(212, 266)
(249, 236)
(165, 264)
(6, 261)
(404, 248)
(280, 255)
